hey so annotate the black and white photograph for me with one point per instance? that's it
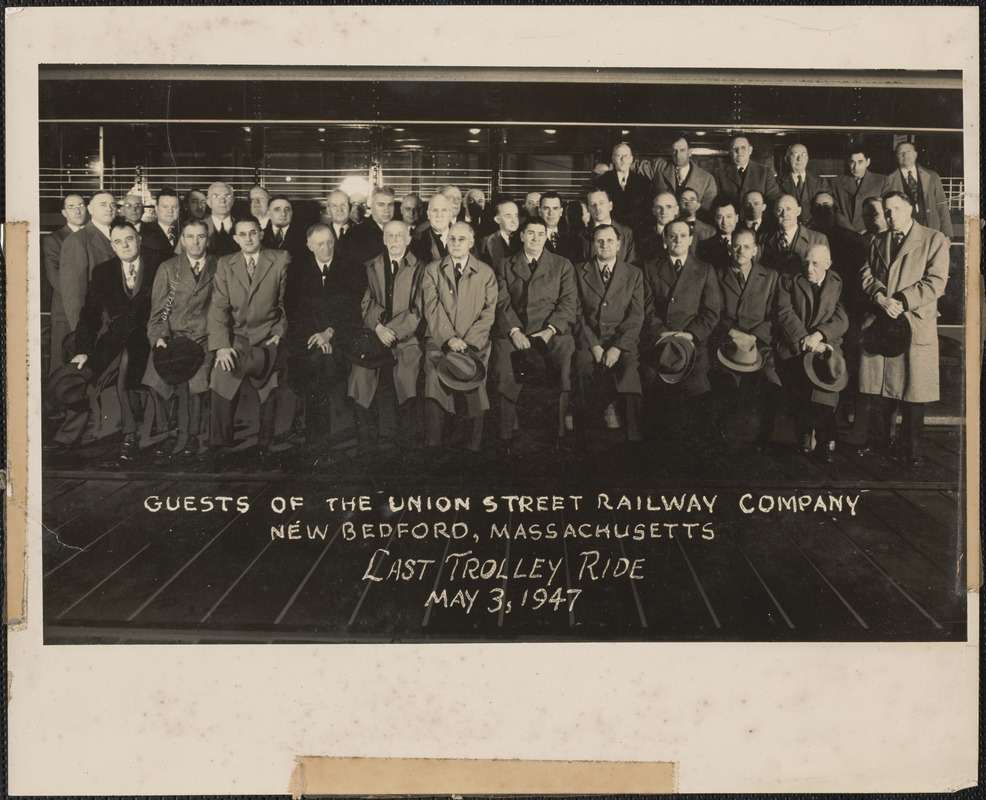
(596, 371)
(383, 360)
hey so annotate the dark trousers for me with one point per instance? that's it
(377, 425)
(223, 412)
(673, 416)
(876, 416)
(467, 431)
(739, 395)
(545, 402)
(593, 395)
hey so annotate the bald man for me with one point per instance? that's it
(740, 174)
(630, 191)
(799, 182)
(811, 319)
(222, 241)
(430, 242)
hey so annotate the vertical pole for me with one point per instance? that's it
(102, 165)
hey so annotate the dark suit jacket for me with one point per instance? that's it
(757, 177)
(80, 253)
(811, 186)
(153, 238)
(125, 315)
(689, 302)
(799, 314)
(932, 211)
(363, 242)
(773, 255)
(661, 170)
(492, 249)
(532, 302)
(221, 244)
(312, 308)
(849, 198)
(751, 310)
(628, 247)
(427, 245)
(632, 204)
(715, 252)
(295, 241)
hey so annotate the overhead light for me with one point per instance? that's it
(246, 128)
(321, 130)
(624, 133)
(700, 133)
(474, 130)
(399, 130)
(355, 185)
(321, 140)
(549, 130)
(288, 179)
(473, 141)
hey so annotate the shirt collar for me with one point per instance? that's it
(221, 223)
(103, 229)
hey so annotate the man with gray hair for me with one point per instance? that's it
(222, 241)
(800, 183)
(366, 241)
(630, 191)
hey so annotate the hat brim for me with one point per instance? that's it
(887, 337)
(754, 367)
(837, 386)
(680, 375)
(68, 386)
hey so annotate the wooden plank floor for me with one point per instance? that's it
(115, 571)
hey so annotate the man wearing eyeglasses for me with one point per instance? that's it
(221, 237)
(246, 319)
(74, 212)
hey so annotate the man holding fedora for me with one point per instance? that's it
(459, 295)
(178, 331)
(392, 315)
(535, 315)
(325, 288)
(811, 322)
(246, 323)
(904, 276)
(119, 298)
(681, 308)
(745, 378)
(612, 311)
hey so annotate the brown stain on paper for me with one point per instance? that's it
(324, 775)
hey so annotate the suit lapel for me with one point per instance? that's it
(264, 262)
(593, 279)
(238, 268)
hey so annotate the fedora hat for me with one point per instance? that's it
(740, 357)
(257, 362)
(887, 336)
(827, 370)
(179, 361)
(366, 350)
(534, 362)
(68, 386)
(462, 371)
(672, 357)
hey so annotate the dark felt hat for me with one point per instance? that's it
(533, 363)
(366, 350)
(672, 357)
(179, 361)
(68, 386)
(462, 371)
(68, 347)
(887, 337)
(827, 370)
(256, 361)
(740, 357)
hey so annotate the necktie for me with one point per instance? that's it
(325, 273)
(251, 266)
(279, 237)
(393, 267)
(607, 274)
(132, 276)
(785, 244)
(171, 236)
(554, 241)
(858, 181)
(798, 183)
(677, 178)
(623, 181)
(742, 172)
(740, 279)
(197, 269)
(458, 273)
(897, 241)
(912, 189)
(677, 266)
(753, 226)
(533, 265)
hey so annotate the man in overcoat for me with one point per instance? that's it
(923, 188)
(74, 212)
(247, 316)
(538, 298)
(113, 323)
(852, 189)
(608, 333)
(392, 310)
(459, 293)
(681, 297)
(786, 248)
(741, 174)
(677, 172)
(180, 300)
(905, 274)
(811, 319)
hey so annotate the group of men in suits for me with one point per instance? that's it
(685, 296)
